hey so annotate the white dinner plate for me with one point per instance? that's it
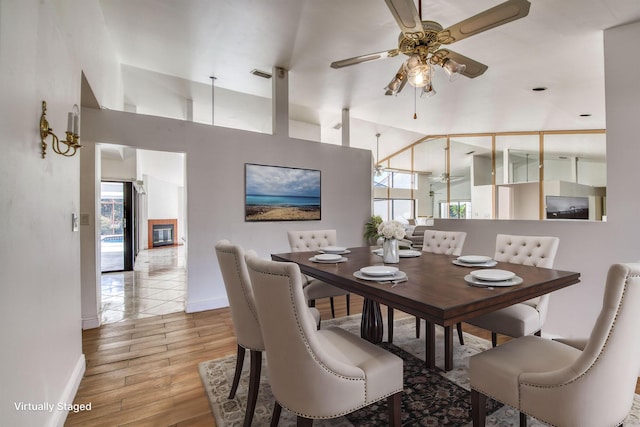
(398, 276)
(474, 259)
(333, 249)
(403, 253)
(340, 259)
(492, 275)
(346, 251)
(328, 257)
(408, 253)
(379, 270)
(515, 280)
(491, 263)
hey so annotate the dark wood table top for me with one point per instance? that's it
(435, 289)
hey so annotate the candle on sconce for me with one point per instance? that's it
(76, 118)
(69, 121)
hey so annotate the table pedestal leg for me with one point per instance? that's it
(371, 327)
(430, 344)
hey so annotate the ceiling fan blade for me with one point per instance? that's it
(473, 68)
(490, 18)
(364, 58)
(407, 17)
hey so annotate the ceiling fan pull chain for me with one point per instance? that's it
(415, 112)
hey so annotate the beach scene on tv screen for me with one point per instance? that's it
(561, 207)
(276, 193)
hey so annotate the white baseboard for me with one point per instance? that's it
(212, 304)
(90, 323)
(60, 416)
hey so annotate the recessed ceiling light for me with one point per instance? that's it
(585, 115)
(337, 126)
(539, 89)
(261, 73)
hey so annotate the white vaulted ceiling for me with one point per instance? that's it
(558, 45)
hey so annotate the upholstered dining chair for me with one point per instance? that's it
(529, 316)
(588, 383)
(437, 242)
(245, 319)
(317, 374)
(313, 240)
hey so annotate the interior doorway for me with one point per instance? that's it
(145, 188)
(116, 226)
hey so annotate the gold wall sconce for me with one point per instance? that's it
(71, 141)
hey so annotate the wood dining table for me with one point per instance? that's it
(435, 290)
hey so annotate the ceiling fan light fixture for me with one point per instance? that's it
(418, 71)
(420, 76)
(395, 85)
(453, 69)
(428, 91)
(412, 62)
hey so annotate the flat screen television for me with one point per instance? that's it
(562, 207)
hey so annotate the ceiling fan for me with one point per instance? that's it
(421, 41)
(445, 177)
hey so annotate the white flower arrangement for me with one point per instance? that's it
(391, 230)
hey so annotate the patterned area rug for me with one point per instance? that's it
(431, 397)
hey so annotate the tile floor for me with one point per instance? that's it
(156, 286)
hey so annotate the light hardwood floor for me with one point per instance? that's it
(144, 372)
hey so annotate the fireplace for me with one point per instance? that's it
(163, 232)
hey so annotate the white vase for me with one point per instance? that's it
(390, 251)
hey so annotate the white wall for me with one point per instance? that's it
(589, 247)
(40, 275)
(168, 167)
(215, 159)
(90, 203)
(162, 198)
(121, 168)
(89, 45)
(482, 201)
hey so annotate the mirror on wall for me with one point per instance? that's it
(575, 173)
(518, 177)
(429, 165)
(472, 177)
(557, 175)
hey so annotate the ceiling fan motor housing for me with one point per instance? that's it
(427, 44)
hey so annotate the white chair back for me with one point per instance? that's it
(305, 375)
(311, 240)
(240, 294)
(539, 251)
(443, 242)
(598, 388)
